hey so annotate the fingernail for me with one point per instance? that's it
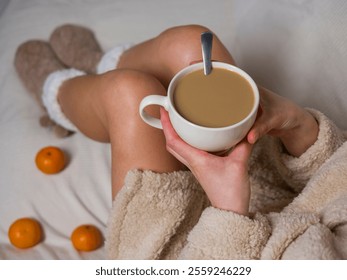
(252, 139)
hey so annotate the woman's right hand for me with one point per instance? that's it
(224, 178)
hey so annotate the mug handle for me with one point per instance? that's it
(153, 100)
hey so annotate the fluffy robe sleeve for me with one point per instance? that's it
(313, 224)
(154, 213)
(278, 167)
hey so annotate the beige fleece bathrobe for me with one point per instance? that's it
(299, 208)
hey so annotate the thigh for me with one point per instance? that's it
(134, 144)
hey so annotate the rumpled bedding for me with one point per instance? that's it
(81, 194)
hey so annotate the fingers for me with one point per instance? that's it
(272, 115)
(241, 152)
(195, 61)
(175, 145)
(262, 124)
(261, 127)
(191, 156)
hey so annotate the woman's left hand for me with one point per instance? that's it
(280, 117)
(224, 178)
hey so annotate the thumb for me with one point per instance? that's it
(241, 152)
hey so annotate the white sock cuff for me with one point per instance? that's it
(50, 94)
(110, 59)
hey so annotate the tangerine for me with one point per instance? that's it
(86, 238)
(50, 160)
(25, 233)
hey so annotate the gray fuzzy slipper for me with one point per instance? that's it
(34, 62)
(77, 47)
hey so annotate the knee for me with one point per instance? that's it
(124, 89)
(182, 41)
(183, 32)
(184, 44)
(135, 83)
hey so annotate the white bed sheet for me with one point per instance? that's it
(296, 48)
(81, 193)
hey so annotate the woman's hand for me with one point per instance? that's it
(278, 116)
(224, 179)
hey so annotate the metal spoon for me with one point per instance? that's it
(206, 44)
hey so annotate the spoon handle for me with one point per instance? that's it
(206, 44)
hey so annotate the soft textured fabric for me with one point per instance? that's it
(50, 94)
(110, 59)
(298, 205)
(53, 82)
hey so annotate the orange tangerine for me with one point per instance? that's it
(25, 233)
(86, 238)
(50, 160)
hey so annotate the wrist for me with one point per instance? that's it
(235, 200)
(238, 209)
(298, 139)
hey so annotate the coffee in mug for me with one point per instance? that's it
(219, 99)
(202, 129)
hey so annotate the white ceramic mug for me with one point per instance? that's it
(204, 138)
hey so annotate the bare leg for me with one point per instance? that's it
(107, 110)
(105, 107)
(169, 52)
(172, 50)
